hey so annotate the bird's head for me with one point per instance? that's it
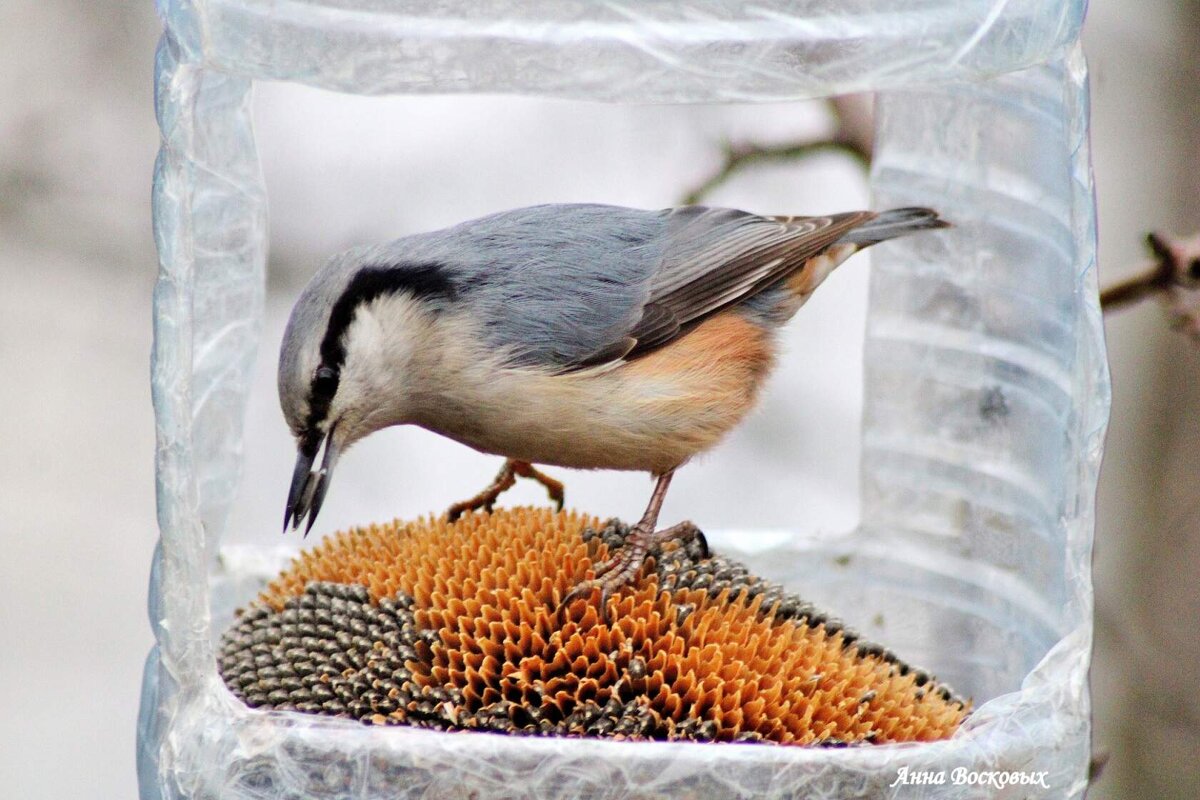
(346, 362)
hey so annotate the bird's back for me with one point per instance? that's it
(552, 285)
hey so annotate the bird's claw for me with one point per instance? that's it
(620, 570)
(613, 575)
(584, 589)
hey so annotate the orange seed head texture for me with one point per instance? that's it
(455, 626)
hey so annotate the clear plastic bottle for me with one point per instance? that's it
(986, 386)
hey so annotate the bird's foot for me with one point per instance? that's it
(504, 480)
(554, 488)
(620, 570)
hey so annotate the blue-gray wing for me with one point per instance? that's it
(717, 257)
(556, 286)
(565, 287)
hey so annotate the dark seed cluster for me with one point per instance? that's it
(332, 651)
(457, 626)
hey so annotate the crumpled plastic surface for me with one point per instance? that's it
(986, 385)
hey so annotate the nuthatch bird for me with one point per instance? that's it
(584, 336)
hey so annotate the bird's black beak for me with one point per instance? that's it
(309, 487)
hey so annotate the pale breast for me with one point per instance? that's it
(653, 413)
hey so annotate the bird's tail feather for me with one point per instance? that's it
(892, 223)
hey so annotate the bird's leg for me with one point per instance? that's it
(503, 481)
(553, 488)
(505, 478)
(622, 567)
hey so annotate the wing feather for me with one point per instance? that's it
(718, 257)
(657, 325)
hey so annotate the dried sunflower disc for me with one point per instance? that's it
(457, 626)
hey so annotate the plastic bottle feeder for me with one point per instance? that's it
(986, 389)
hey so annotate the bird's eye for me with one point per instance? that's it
(325, 382)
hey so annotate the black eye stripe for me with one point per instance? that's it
(372, 282)
(320, 396)
(369, 283)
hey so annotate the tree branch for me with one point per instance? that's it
(1173, 273)
(852, 136)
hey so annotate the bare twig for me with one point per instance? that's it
(1155, 276)
(853, 136)
(1173, 273)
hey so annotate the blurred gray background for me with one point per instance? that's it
(77, 264)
